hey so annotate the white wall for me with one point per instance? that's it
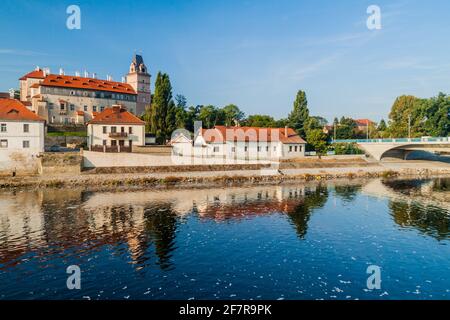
(96, 135)
(15, 155)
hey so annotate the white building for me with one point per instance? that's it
(72, 99)
(21, 135)
(247, 143)
(115, 130)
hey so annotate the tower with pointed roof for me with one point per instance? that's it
(139, 78)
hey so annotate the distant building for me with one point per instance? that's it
(115, 130)
(361, 124)
(249, 143)
(72, 99)
(21, 134)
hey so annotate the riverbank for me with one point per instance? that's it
(134, 180)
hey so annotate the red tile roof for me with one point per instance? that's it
(36, 74)
(255, 134)
(14, 110)
(53, 80)
(80, 113)
(116, 115)
(363, 122)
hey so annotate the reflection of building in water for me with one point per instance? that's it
(46, 222)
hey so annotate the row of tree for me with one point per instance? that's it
(409, 116)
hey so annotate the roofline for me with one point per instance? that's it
(90, 89)
(12, 120)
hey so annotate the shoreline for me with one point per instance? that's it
(136, 181)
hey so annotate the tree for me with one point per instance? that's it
(346, 129)
(300, 113)
(161, 114)
(315, 122)
(232, 115)
(208, 115)
(401, 110)
(318, 140)
(262, 121)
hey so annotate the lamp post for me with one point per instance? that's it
(409, 126)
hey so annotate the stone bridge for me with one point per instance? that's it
(401, 147)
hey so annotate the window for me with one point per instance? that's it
(290, 148)
(25, 144)
(62, 106)
(26, 127)
(267, 149)
(102, 108)
(216, 149)
(3, 127)
(122, 129)
(130, 143)
(72, 93)
(72, 107)
(233, 149)
(105, 129)
(130, 130)
(300, 149)
(3, 143)
(121, 143)
(113, 129)
(259, 149)
(113, 142)
(85, 108)
(296, 148)
(104, 141)
(245, 148)
(94, 108)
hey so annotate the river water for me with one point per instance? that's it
(293, 241)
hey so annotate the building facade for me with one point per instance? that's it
(21, 135)
(66, 99)
(115, 130)
(244, 143)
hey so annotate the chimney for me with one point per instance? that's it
(77, 73)
(61, 71)
(46, 71)
(86, 74)
(37, 68)
(286, 131)
(94, 75)
(123, 79)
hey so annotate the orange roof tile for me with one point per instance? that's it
(53, 80)
(116, 115)
(34, 86)
(363, 122)
(36, 74)
(14, 110)
(80, 113)
(250, 134)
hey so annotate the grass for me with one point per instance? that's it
(67, 134)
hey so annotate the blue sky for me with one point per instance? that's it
(253, 53)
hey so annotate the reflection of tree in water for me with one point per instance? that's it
(160, 227)
(347, 192)
(429, 220)
(441, 184)
(313, 199)
(405, 186)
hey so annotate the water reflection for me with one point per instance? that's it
(142, 226)
(425, 208)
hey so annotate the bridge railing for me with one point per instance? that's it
(394, 140)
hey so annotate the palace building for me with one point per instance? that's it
(67, 99)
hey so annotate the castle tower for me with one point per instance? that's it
(139, 79)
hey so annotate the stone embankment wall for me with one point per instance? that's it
(60, 163)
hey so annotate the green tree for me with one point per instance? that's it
(232, 115)
(262, 121)
(401, 110)
(318, 140)
(161, 114)
(208, 115)
(300, 113)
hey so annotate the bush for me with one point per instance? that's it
(347, 148)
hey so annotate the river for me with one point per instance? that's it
(287, 241)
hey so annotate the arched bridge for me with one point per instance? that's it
(400, 147)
